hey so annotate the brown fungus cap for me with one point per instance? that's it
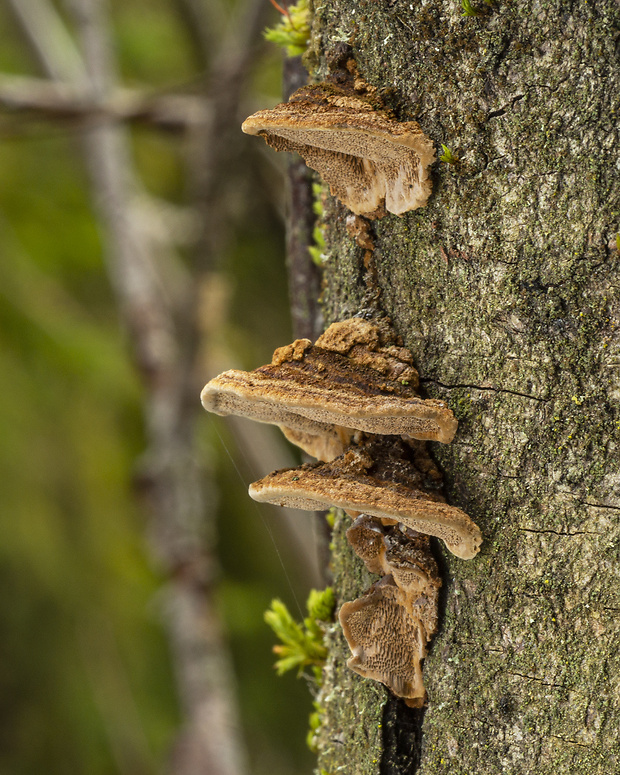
(351, 379)
(371, 161)
(366, 536)
(367, 480)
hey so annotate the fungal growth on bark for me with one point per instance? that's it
(350, 401)
(403, 554)
(403, 601)
(366, 480)
(386, 641)
(350, 379)
(372, 162)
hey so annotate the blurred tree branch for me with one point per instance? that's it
(50, 42)
(83, 86)
(31, 98)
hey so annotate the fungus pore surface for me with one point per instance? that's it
(404, 603)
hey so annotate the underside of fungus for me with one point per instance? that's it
(389, 628)
(364, 480)
(371, 161)
(386, 642)
(403, 554)
(350, 379)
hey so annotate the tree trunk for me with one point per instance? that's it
(505, 289)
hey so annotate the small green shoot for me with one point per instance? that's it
(317, 251)
(317, 204)
(320, 605)
(447, 156)
(618, 242)
(302, 644)
(330, 517)
(293, 30)
(315, 722)
(468, 9)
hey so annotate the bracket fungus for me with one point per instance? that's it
(389, 628)
(350, 400)
(403, 554)
(386, 642)
(372, 162)
(363, 481)
(350, 379)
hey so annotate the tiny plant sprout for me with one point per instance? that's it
(293, 31)
(301, 645)
(468, 9)
(447, 156)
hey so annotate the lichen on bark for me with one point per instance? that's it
(351, 708)
(505, 288)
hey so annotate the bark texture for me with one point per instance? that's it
(505, 288)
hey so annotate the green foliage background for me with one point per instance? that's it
(86, 682)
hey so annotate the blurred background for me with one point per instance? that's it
(141, 253)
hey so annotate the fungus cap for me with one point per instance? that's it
(370, 160)
(351, 382)
(353, 483)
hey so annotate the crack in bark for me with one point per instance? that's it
(472, 643)
(561, 533)
(573, 742)
(504, 110)
(478, 387)
(598, 505)
(402, 738)
(553, 89)
(538, 680)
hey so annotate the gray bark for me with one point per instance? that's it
(505, 288)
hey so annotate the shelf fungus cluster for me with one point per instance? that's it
(372, 162)
(350, 401)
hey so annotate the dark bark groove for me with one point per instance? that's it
(402, 738)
